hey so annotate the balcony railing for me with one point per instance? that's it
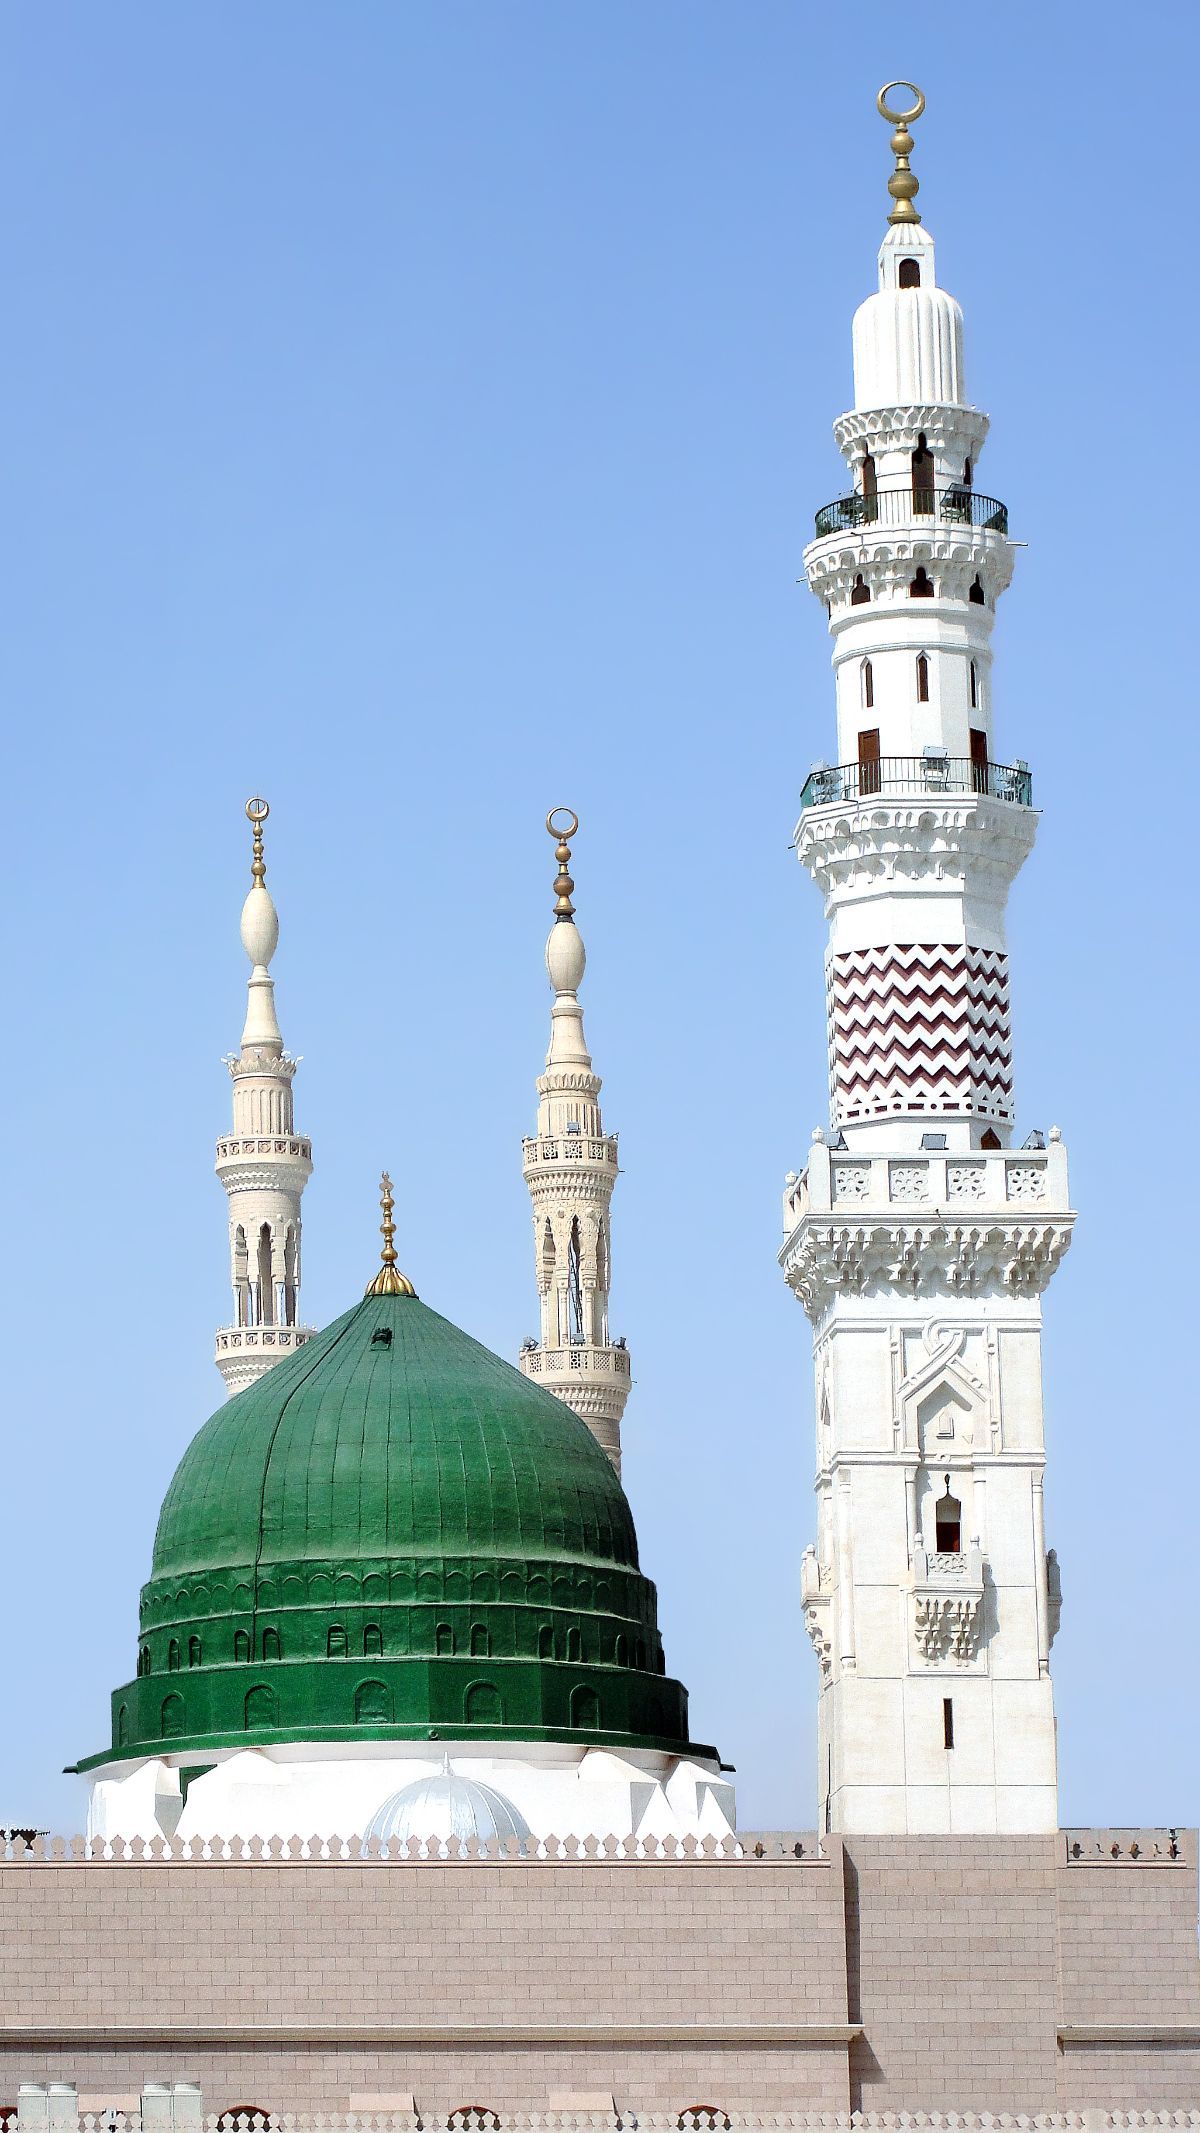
(825, 786)
(958, 506)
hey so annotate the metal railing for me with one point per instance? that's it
(826, 785)
(957, 506)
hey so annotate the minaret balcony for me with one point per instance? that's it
(577, 1360)
(832, 785)
(905, 506)
(558, 1148)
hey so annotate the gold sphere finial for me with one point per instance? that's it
(256, 814)
(563, 884)
(389, 1281)
(902, 185)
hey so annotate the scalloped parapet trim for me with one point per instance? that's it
(700, 2121)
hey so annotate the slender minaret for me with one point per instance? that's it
(570, 1167)
(918, 1239)
(265, 1165)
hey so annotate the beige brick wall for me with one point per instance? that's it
(961, 1958)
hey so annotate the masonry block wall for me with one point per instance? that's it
(985, 1974)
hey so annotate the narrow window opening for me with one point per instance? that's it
(870, 484)
(868, 686)
(922, 585)
(979, 759)
(173, 1656)
(909, 276)
(922, 479)
(974, 687)
(194, 1651)
(574, 1644)
(947, 1721)
(989, 1139)
(445, 1641)
(335, 1642)
(241, 1644)
(922, 678)
(545, 1641)
(372, 1641)
(270, 1644)
(947, 1516)
(859, 593)
(968, 473)
(574, 1287)
(481, 1643)
(869, 777)
(977, 595)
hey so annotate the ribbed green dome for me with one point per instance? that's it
(393, 1534)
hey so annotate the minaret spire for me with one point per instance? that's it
(570, 1167)
(264, 1165)
(920, 1237)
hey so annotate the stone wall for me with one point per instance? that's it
(971, 1974)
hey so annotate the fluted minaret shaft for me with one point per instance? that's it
(264, 1165)
(917, 1238)
(570, 1167)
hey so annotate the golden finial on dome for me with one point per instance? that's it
(389, 1281)
(563, 884)
(902, 185)
(256, 813)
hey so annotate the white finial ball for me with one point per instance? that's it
(260, 926)
(565, 959)
(1056, 1133)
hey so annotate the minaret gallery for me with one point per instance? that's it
(570, 1167)
(919, 1240)
(264, 1165)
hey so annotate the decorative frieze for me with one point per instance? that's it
(919, 1026)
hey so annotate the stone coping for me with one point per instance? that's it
(699, 2118)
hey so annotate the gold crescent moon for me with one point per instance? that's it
(571, 830)
(900, 118)
(257, 810)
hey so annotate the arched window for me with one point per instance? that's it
(122, 1725)
(481, 1643)
(922, 478)
(143, 1665)
(241, 1644)
(585, 1709)
(574, 1644)
(335, 1642)
(974, 687)
(909, 276)
(291, 1277)
(194, 1651)
(261, 1708)
(922, 585)
(172, 1718)
(270, 1644)
(968, 473)
(922, 678)
(977, 595)
(372, 1641)
(545, 1642)
(947, 1517)
(622, 1651)
(574, 1287)
(548, 1257)
(241, 1277)
(173, 1656)
(266, 1298)
(444, 1641)
(482, 1705)
(870, 485)
(859, 593)
(372, 1704)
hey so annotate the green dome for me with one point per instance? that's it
(393, 1535)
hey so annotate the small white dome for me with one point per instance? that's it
(260, 926)
(565, 958)
(447, 1809)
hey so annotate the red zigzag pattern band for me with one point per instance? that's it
(919, 1027)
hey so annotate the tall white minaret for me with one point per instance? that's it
(264, 1165)
(919, 1239)
(570, 1167)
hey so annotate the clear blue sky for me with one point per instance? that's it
(417, 413)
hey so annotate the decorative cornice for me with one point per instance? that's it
(887, 556)
(945, 428)
(279, 1066)
(926, 1256)
(851, 844)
